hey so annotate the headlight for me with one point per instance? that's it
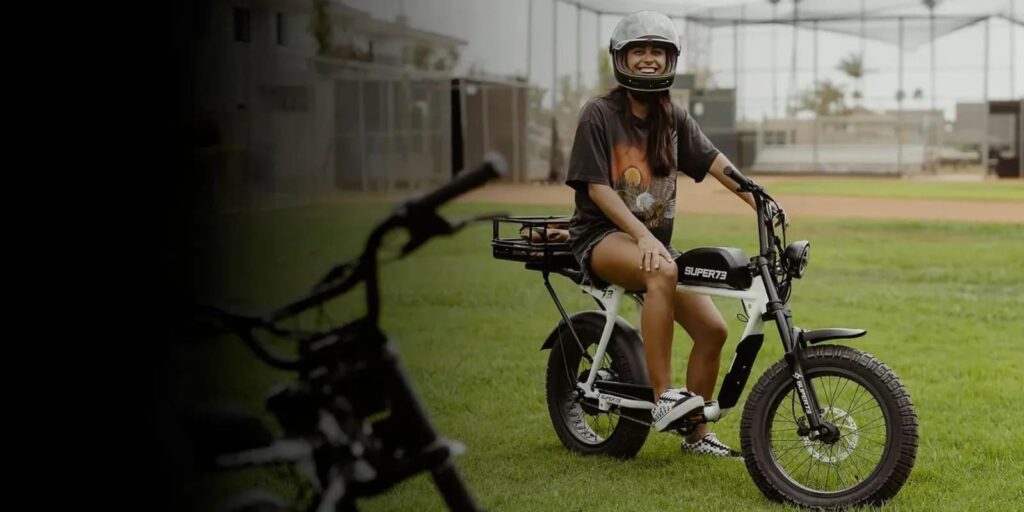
(795, 258)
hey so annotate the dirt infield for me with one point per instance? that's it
(709, 197)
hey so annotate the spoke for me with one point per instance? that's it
(797, 468)
(871, 462)
(862, 405)
(850, 414)
(846, 382)
(829, 388)
(791, 447)
(785, 430)
(870, 424)
(855, 398)
(865, 407)
(827, 469)
(809, 468)
(852, 463)
(875, 441)
(840, 476)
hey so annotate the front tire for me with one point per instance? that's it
(877, 444)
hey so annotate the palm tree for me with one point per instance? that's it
(853, 66)
(825, 99)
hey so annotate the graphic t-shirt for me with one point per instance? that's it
(603, 153)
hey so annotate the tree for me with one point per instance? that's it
(853, 66)
(421, 55)
(825, 99)
(321, 29)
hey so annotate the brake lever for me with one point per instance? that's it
(778, 214)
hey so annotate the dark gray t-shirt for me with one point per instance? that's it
(603, 153)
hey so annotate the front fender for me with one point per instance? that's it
(820, 335)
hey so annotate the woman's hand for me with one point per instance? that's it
(651, 252)
(775, 211)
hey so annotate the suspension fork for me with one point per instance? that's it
(779, 311)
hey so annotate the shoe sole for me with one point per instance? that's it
(732, 455)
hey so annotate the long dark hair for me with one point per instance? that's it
(661, 121)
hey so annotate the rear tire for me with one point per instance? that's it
(583, 429)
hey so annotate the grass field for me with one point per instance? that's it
(943, 304)
(1004, 190)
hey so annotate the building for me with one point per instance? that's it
(298, 112)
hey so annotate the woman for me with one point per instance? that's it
(623, 167)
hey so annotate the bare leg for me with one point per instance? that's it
(616, 259)
(705, 325)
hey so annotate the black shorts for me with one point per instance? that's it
(583, 253)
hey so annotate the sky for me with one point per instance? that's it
(499, 40)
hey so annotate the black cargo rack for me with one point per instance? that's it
(541, 254)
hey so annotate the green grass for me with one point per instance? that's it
(1005, 190)
(943, 304)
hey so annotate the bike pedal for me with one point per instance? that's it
(712, 411)
(685, 430)
(686, 425)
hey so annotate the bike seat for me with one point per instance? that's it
(718, 267)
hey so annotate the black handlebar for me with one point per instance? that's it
(746, 184)
(364, 269)
(767, 210)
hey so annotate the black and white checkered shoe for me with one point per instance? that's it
(674, 405)
(709, 445)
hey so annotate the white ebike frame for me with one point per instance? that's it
(754, 300)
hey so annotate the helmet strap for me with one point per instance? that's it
(647, 97)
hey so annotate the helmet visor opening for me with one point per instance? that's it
(648, 62)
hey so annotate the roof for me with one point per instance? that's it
(879, 19)
(373, 26)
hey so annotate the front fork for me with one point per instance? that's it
(779, 311)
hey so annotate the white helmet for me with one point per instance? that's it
(645, 27)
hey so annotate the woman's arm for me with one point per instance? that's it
(609, 202)
(718, 171)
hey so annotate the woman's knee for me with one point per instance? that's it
(664, 277)
(713, 335)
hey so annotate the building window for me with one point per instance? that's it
(288, 98)
(775, 138)
(282, 35)
(242, 22)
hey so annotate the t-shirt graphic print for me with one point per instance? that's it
(651, 198)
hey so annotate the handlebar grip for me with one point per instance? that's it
(494, 165)
(745, 183)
